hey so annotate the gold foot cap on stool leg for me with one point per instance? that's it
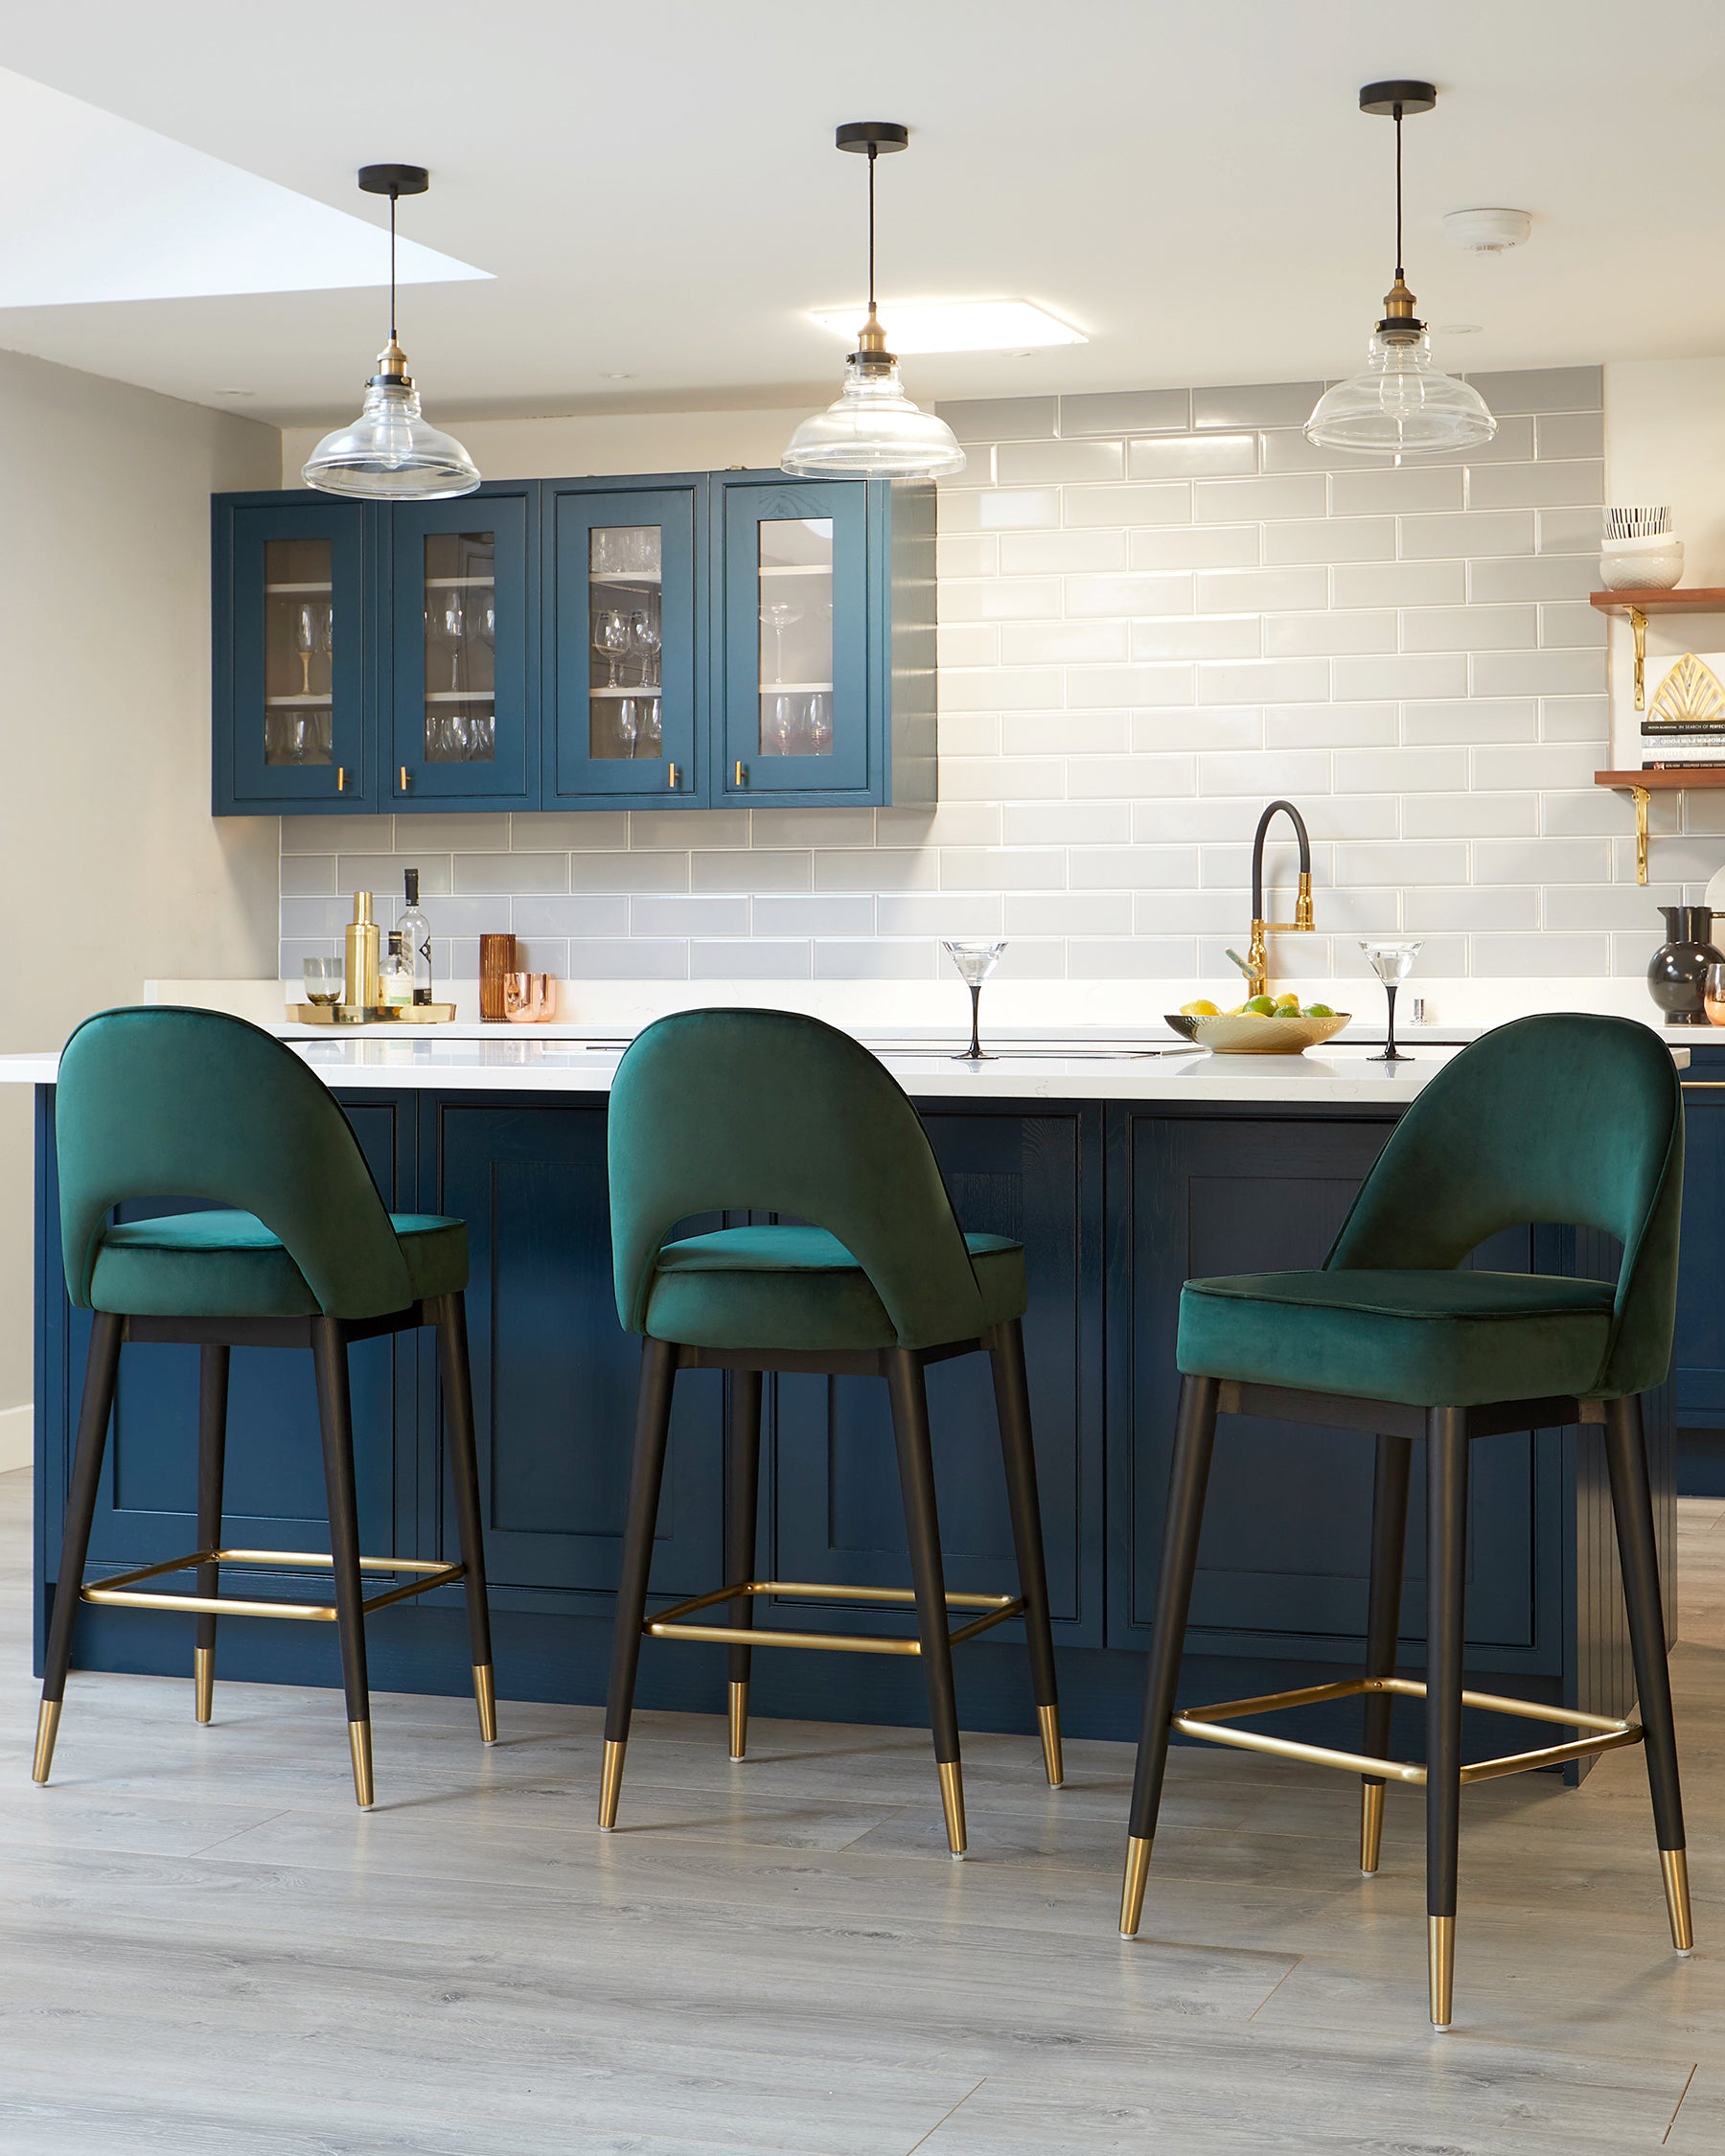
(1132, 1890)
(203, 1683)
(611, 1781)
(48, 1716)
(485, 1696)
(1674, 1863)
(739, 1719)
(1048, 1721)
(1371, 1825)
(360, 1745)
(951, 1803)
(1441, 1968)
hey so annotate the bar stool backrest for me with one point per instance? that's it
(772, 1111)
(1564, 1117)
(159, 1102)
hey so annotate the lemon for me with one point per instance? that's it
(1288, 1003)
(1201, 1008)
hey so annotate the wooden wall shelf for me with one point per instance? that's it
(1641, 785)
(1698, 599)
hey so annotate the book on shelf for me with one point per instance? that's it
(1684, 763)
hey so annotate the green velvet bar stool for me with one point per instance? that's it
(1568, 1120)
(766, 1110)
(164, 1103)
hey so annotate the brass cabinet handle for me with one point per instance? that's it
(673, 779)
(341, 779)
(403, 778)
(741, 779)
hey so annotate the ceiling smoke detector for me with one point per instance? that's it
(1486, 231)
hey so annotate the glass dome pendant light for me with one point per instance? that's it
(873, 431)
(390, 453)
(1403, 404)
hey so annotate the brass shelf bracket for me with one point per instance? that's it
(1642, 798)
(1638, 622)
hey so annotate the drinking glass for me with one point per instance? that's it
(323, 981)
(1712, 995)
(485, 738)
(976, 958)
(323, 637)
(305, 643)
(652, 732)
(629, 723)
(454, 629)
(610, 639)
(776, 725)
(779, 617)
(817, 723)
(645, 637)
(1392, 962)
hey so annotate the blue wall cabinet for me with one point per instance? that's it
(695, 640)
(1699, 1358)
(816, 697)
(624, 645)
(462, 691)
(290, 682)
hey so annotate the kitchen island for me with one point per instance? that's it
(1123, 1172)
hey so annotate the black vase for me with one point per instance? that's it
(1677, 971)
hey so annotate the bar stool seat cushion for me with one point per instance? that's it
(1427, 1339)
(799, 1287)
(229, 1265)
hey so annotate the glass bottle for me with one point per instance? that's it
(395, 975)
(415, 932)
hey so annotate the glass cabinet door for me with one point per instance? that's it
(296, 686)
(795, 638)
(626, 685)
(462, 691)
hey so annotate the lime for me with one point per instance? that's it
(1259, 1006)
(1319, 1010)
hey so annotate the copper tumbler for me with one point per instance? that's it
(496, 960)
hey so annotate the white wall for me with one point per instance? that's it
(111, 867)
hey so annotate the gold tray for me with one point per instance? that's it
(360, 1013)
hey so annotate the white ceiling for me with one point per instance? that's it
(654, 191)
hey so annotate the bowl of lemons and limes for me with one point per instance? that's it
(1263, 1025)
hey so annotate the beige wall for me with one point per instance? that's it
(111, 867)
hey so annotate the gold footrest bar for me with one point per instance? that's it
(120, 1591)
(672, 1623)
(1608, 1735)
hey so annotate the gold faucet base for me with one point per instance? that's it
(1047, 1721)
(203, 1683)
(1131, 1887)
(611, 1783)
(48, 1716)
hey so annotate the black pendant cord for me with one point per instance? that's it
(1399, 271)
(871, 230)
(392, 264)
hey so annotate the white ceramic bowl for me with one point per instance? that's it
(1252, 1035)
(1654, 564)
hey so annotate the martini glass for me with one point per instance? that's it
(1392, 963)
(976, 958)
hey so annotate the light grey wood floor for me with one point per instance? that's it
(205, 1947)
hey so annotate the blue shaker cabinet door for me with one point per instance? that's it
(290, 655)
(794, 657)
(463, 691)
(624, 615)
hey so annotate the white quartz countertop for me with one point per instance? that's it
(1341, 1075)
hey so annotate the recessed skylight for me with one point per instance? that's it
(956, 325)
(105, 210)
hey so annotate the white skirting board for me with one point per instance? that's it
(18, 1436)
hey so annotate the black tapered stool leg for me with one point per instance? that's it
(1446, 1573)
(1194, 1440)
(99, 1372)
(212, 1449)
(1632, 1503)
(742, 1503)
(450, 1318)
(1383, 1623)
(336, 1419)
(1012, 1407)
(646, 1475)
(928, 1576)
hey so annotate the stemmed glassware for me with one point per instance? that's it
(818, 723)
(629, 723)
(305, 642)
(610, 639)
(976, 958)
(1392, 962)
(645, 637)
(779, 617)
(454, 629)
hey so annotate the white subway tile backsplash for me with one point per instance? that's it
(1158, 611)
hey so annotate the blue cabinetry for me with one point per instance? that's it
(681, 640)
(1116, 1204)
(1699, 1360)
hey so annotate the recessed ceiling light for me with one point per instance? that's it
(236, 393)
(956, 325)
(1459, 329)
(619, 378)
